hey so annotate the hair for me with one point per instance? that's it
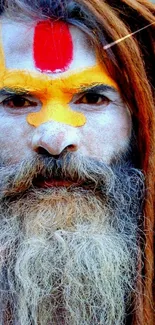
(131, 64)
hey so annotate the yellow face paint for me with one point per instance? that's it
(60, 92)
(55, 94)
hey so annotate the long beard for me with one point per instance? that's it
(69, 255)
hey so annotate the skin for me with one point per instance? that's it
(104, 130)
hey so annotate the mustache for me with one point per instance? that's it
(20, 177)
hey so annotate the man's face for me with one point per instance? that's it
(68, 200)
(55, 95)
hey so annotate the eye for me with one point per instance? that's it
(93, 99)
(18, 101)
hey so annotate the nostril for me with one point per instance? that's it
(43, 151)
(71, 147)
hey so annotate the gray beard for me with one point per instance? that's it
(69, 255)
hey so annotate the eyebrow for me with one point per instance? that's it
(93, 88)
(13, 91)
(97, 88)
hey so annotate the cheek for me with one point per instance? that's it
(107, 135)
(14, 140)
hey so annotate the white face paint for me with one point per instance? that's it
(107, 130)
(50, 232)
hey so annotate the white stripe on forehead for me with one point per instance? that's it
(18, 40)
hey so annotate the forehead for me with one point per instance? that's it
(51, 47)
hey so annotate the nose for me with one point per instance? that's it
(53, 138)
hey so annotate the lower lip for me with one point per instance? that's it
(57, 183)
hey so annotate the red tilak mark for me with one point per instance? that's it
(53, 47)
